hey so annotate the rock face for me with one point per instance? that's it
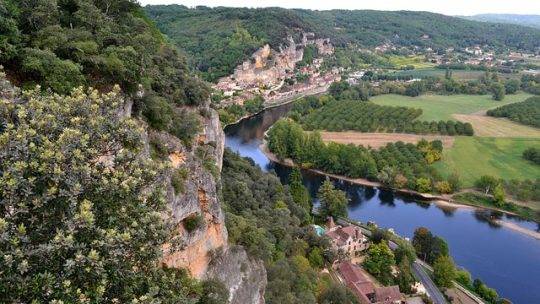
(198, 199)
(268, 67)
(204, 251)
(244, 277)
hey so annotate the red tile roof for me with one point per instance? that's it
(357, 281)
(364, 289)
(387, 295)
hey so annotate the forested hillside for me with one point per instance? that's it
(96, 43)
(220, 38)
(526, 20)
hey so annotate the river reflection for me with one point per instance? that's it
(506, 260)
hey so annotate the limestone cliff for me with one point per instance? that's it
(268, 67)
(204, 251)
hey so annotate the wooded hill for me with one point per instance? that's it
(217, 39)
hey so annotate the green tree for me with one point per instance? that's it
(423, 185)
(422, 242)
(455, 182)
(404, 250)
(315, 258)
(444, 271)
(438, 248)
(379, 262)
(79, 197)
(487, 183)
(298, 191)
(333, 201)
(497, 90)
(214, 292)
(337, 294)
(464, 278)
(498, 194)
(405, 279)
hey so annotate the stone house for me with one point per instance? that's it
(348, 239)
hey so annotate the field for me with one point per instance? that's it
(437, 107)
(422, 72)
(497, 127)
(377, 140)
(473, 157)
(417, 61)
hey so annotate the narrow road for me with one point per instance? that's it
(432, 290)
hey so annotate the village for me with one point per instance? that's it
(276, 76)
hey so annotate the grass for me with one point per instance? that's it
(418, 61)
(441, 107)
(472, 157)
(426, 71)
(497, 127)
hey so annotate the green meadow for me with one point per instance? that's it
(441, 107)
(472, 157)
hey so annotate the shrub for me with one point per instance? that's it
(185, 125)
(443, 187)
(193, 222)
(423, 185)
(157, 111)
(178, 179)
(532, 154)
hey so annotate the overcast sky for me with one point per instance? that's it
(448, 7)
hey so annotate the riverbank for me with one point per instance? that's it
(441, 200)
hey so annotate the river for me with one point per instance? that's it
(504, 259)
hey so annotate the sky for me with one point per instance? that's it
(447, 7)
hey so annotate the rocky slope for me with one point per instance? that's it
(204, 251)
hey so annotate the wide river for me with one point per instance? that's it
(503, 258)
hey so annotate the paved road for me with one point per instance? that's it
(431, 289)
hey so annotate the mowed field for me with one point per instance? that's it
(472, 157)
(426, 71)
(377, 140)
(442, 107)
(487, 126)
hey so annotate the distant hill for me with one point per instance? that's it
(217, 39)
(525, 20)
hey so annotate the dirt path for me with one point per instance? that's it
(377, 140)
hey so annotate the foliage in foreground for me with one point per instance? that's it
(64, 44)
(81, 217)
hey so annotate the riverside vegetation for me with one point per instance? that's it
(397, 165)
